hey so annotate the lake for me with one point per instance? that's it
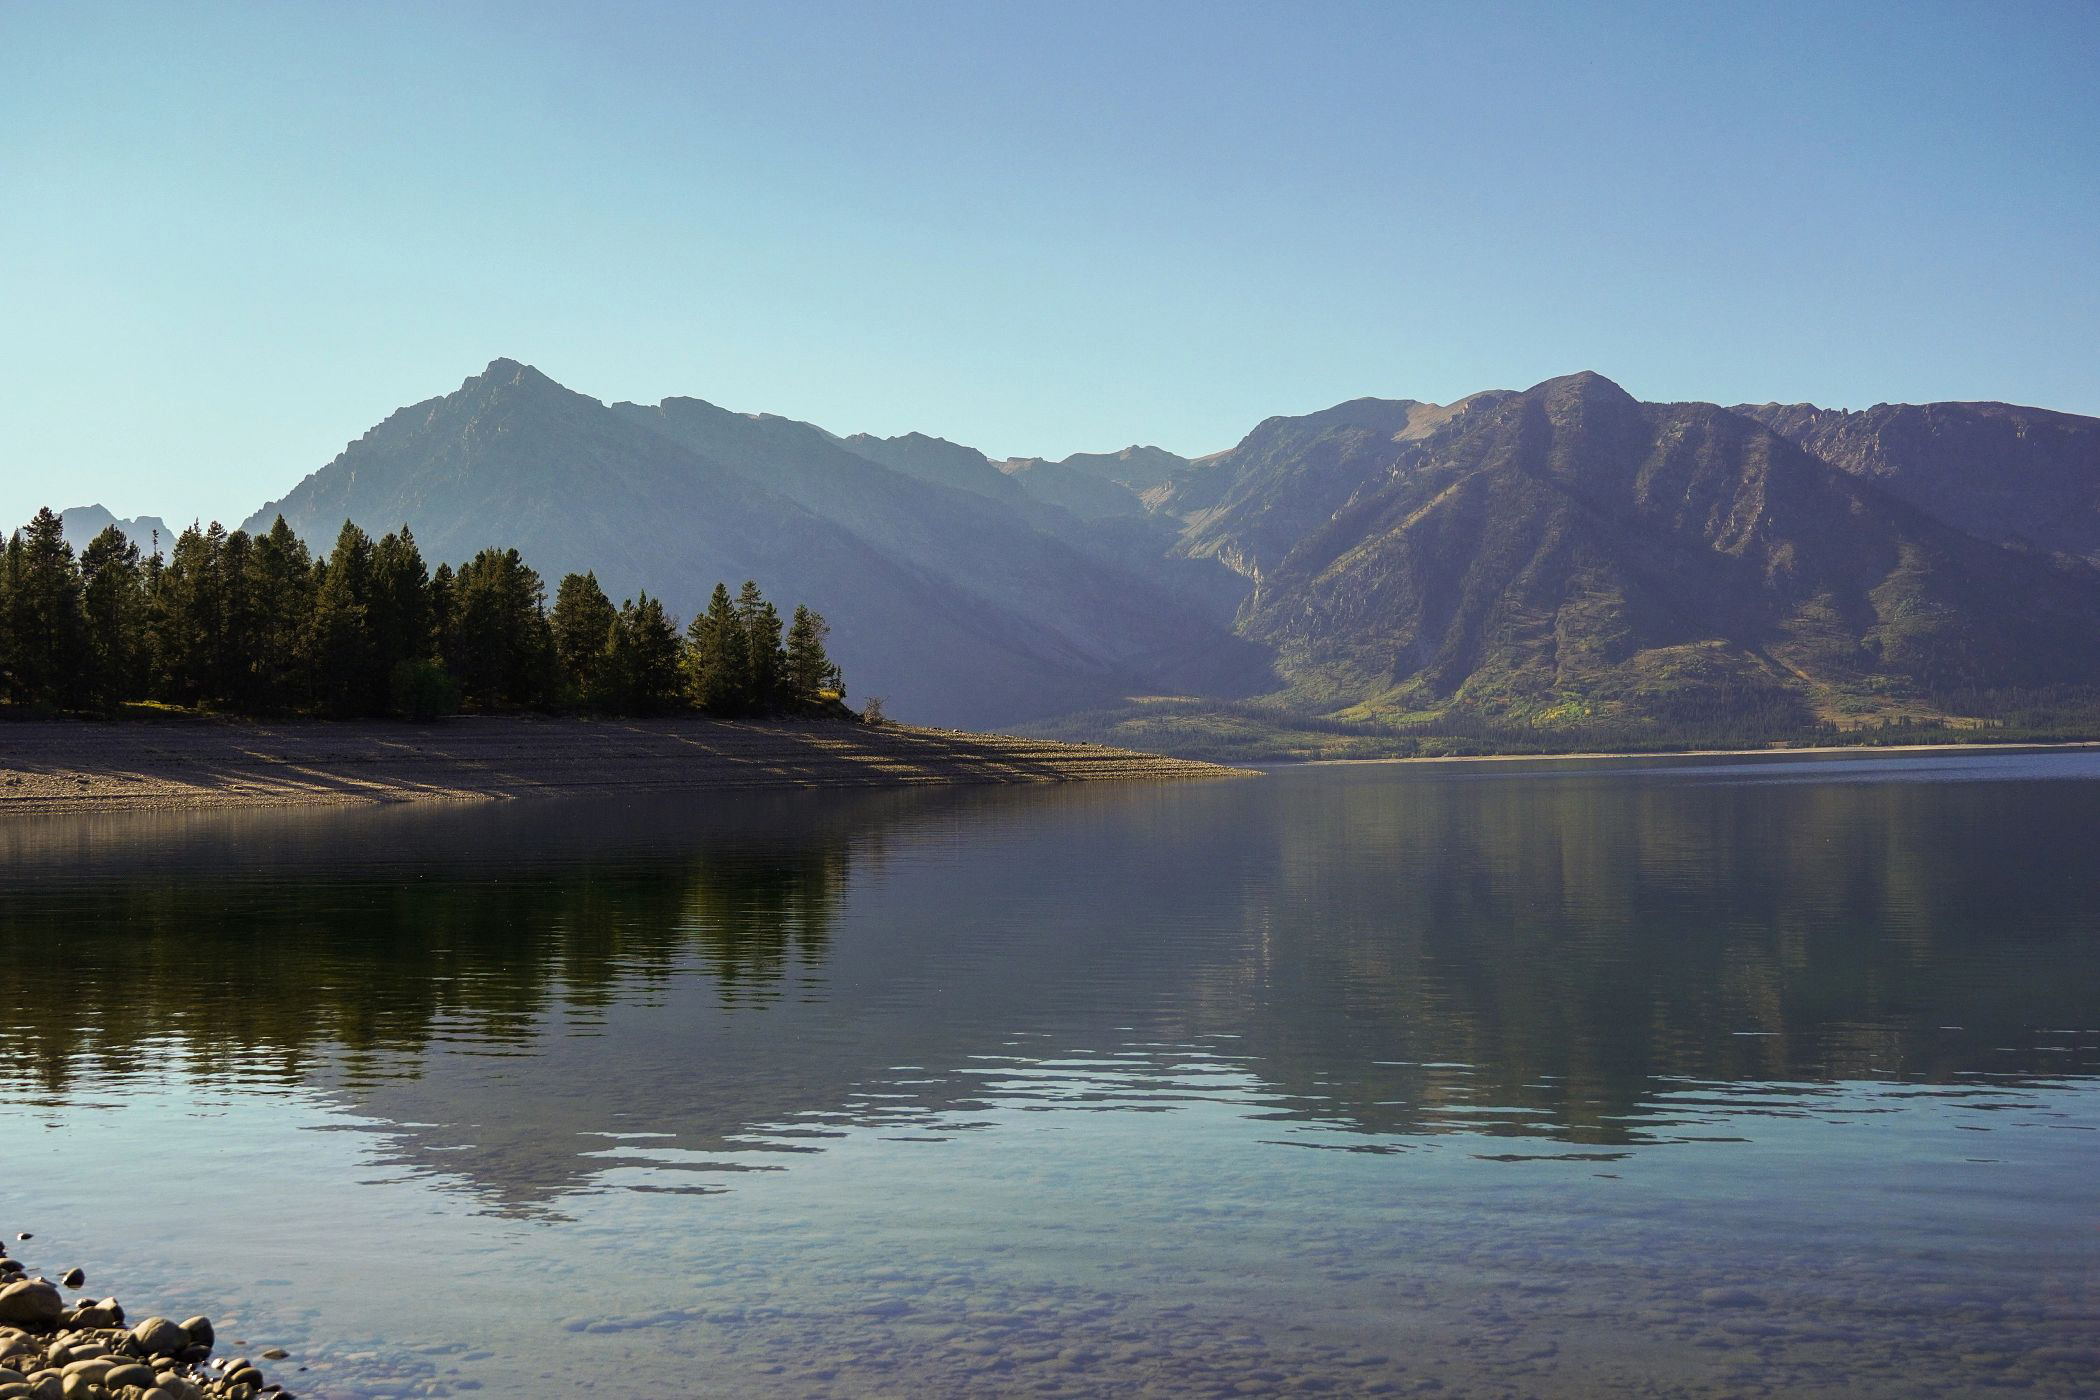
(1629, 1077)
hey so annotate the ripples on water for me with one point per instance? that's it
(1773, 1075)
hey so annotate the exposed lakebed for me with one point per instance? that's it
(1640, 1076)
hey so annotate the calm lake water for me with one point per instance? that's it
(1775, 1075)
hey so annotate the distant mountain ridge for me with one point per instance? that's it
(83, 523)
(1554, 557)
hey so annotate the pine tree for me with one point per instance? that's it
(236, 680)
(765, 684)
(113, 600)
(184, 620)
(583, 623)
(46, 631)
(400, 604)
(281, 586)
(340, 649)
(12, 684)
(498, 643)
(810, 672)
(443, 588)
(647, 654)
(717, 660)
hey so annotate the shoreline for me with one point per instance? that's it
(52, 1348)
(2008, 747)
(136, 765)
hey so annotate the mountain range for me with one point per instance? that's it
(1555, 560)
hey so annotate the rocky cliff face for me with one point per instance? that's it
(1571, 553)
(2024, 477)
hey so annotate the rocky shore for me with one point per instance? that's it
(53, 1349)
(80, 765)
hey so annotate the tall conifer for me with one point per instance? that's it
(113, 603)
(717, 657)
(583, 622)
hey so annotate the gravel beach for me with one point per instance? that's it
(68, 765)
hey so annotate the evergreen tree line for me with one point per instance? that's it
(257, 625)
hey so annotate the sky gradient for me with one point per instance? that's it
(232, 238)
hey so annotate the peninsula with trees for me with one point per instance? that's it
(256, 641)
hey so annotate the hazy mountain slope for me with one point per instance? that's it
(936, 460)
(1087, 608)
(953, 610)
(1087, 496)
(83, 523)
(1568, 553)
(1138, 468)
(2011, 475)
(1085, 508)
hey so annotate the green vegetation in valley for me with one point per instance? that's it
(255, 625)
(1224, 732)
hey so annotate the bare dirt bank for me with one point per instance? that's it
(64, 765)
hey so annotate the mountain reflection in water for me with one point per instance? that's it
(535, 1006)
(1542, 951)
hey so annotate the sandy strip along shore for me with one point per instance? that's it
(62, 765)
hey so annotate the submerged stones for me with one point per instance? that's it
(74, 1278)
(50, 1352)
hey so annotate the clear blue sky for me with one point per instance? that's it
(234, 237)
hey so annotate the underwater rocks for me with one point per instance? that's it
(52, 1351)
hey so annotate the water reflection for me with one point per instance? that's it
(1532, 952)
(1507, 1077)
